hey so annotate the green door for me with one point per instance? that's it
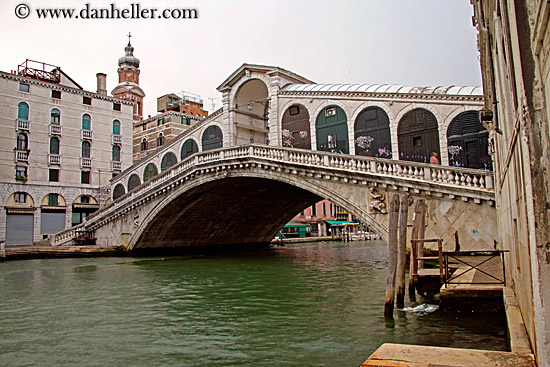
(332, 130)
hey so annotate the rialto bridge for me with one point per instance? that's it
(281, 142)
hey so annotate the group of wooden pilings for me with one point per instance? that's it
(397, 249)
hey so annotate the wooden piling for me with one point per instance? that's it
(402, 251)
(421, 231)
(414, 236)
(392, 256)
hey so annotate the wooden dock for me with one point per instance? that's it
(36, 252)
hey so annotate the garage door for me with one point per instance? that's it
(19, 229)
(52, 221)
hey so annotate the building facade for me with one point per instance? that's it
(514, 45)
(61, 145)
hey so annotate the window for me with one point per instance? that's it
(116, 127)
(20, 198)
(331, 209)
(54, 145)
(54, 175)
(86, 122)
(85, 177)
(86, 149)
(55, 116)
(23, 87)
(21, 172)
(417, 141)
(324, 210)
(160, 140)
(160, 121)
(185, 121)
(116, 106)
(56, 94)
(330, 111)
(85, 199)
(22, 142)
(143, 127)
(294, 110)
(87, 100)
(116, 153)
(23, 111)
(53, 199)
(144, 144)
(314, 210)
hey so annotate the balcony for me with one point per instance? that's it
(54, 159)
(23, 125)
(116, 166)
(87, 134)
(21, 155)
(117, 139)
(55, 129)
(86, 162)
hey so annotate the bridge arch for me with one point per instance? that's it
(133, 182)
(188, 147)
(418, 135)
(372, 136)
(296, 130)
(256, 206)
(331, 130)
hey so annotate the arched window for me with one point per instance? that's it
(332, 130)
(188, 148)
(23, 111)
(118, 191)
(86, 149)
(296, 133)
(55, 116)
(372, 133)
(22, 142)
(168, 161)
(116, 127)
(133, 182)
(468, 142)
(150, 172)
(418, 136)
(86, 122)
(160, 140)
(116, 153)
(144, 144)
(212, 138)
(54, 146)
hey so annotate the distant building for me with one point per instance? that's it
(325, 219)
(187, 103)
(60, 146)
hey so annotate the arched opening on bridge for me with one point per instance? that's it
(189, 147)
(133, 182)
(228, 211)
(118, 191)
(168, 161)
(83, 206)
(468, 142)
(149, 172)
(251, 107)
(52, 214)
(212, 138)
(295, 124)
(418, 136)
(332, 130)
(372, 133)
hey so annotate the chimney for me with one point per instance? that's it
(101, 83)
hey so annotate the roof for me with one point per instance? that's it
(384, 88)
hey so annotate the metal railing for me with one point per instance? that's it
(462, 258)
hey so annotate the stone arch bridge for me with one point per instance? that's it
(245, 194)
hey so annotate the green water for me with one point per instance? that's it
(315, 304)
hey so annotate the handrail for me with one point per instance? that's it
(491, 255)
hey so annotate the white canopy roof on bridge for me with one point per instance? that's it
(384, 88)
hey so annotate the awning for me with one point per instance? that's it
(296, 224)
(337, 222)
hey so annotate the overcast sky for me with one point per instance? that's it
(408, 42)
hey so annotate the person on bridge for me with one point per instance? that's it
(434, 159)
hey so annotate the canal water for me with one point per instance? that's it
(318, 304)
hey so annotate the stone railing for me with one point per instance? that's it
(469, 179)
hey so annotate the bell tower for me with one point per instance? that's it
(128, 81)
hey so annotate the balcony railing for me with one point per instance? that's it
(117, 139)
(117, 166)
(23, 124)
(55, 129)
(87, 134)
(54, 159)
(86, 162)
(21, 155)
